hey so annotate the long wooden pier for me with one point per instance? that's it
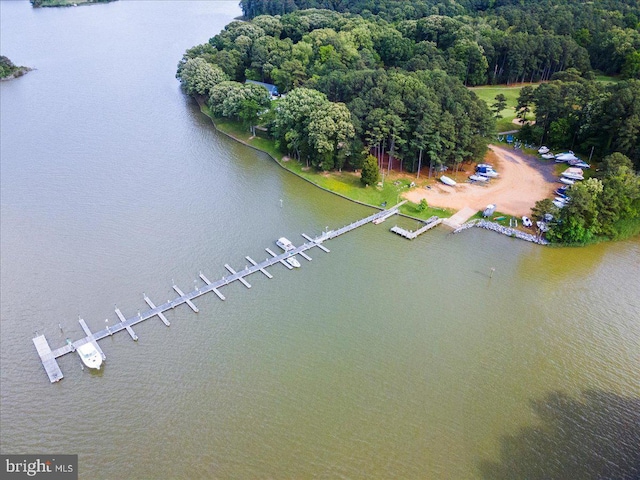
(49, 356)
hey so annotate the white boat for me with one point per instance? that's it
(293, 262)
(558, 204)
(561, 200)
(567, 181)
(526, 222)
(478, 178)
(566, 156)
(285, 244)
(90, 355)
(573, 173)
(542, 150)
(491, 208)
(548, 156)
(447, 181)
(579, 164)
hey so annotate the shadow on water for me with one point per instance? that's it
(596, 436)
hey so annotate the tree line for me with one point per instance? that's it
(502, 41)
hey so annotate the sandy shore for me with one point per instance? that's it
(523, 181)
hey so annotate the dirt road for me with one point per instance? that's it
(523, 181)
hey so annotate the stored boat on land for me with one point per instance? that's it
(285, 244)
(548, 156)
(567, 181)
(566, 156)
(478, 178)
(448, 181)
(579, 163)
(543, 150)
(573, 173)
(90, 355)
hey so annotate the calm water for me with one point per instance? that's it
(385, 358)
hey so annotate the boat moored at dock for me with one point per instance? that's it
(285, 244)
(90, 355)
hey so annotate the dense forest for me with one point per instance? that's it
(500, 41)
(352, 70)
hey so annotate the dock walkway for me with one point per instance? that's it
(411, 234)
(48, 356)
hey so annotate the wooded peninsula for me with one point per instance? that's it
(9, 70)
(362, 86)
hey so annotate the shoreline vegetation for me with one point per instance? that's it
(9, 71)
(65, 3)
(344, 184)
(363, 106)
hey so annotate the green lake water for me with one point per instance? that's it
(385, 358)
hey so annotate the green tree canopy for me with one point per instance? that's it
(198, 76)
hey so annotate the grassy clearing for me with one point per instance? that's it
(497, 217)
(346, 184)
(607, 79)
(488, 94)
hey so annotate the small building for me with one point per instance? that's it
(273, 90)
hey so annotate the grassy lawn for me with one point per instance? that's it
(607, 79)
(488, 94)
(346, 184)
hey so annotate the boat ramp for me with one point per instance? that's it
(49, 357)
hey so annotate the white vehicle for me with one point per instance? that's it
(90, 356)
(542, 150)
(491, 208)
(285, 244)
(486, 170)
(526, 221)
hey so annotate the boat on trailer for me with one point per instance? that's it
(478, 178)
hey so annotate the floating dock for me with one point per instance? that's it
(49, 357)
(411, 234)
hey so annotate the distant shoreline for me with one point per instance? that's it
(18, 72)
(66, 3)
